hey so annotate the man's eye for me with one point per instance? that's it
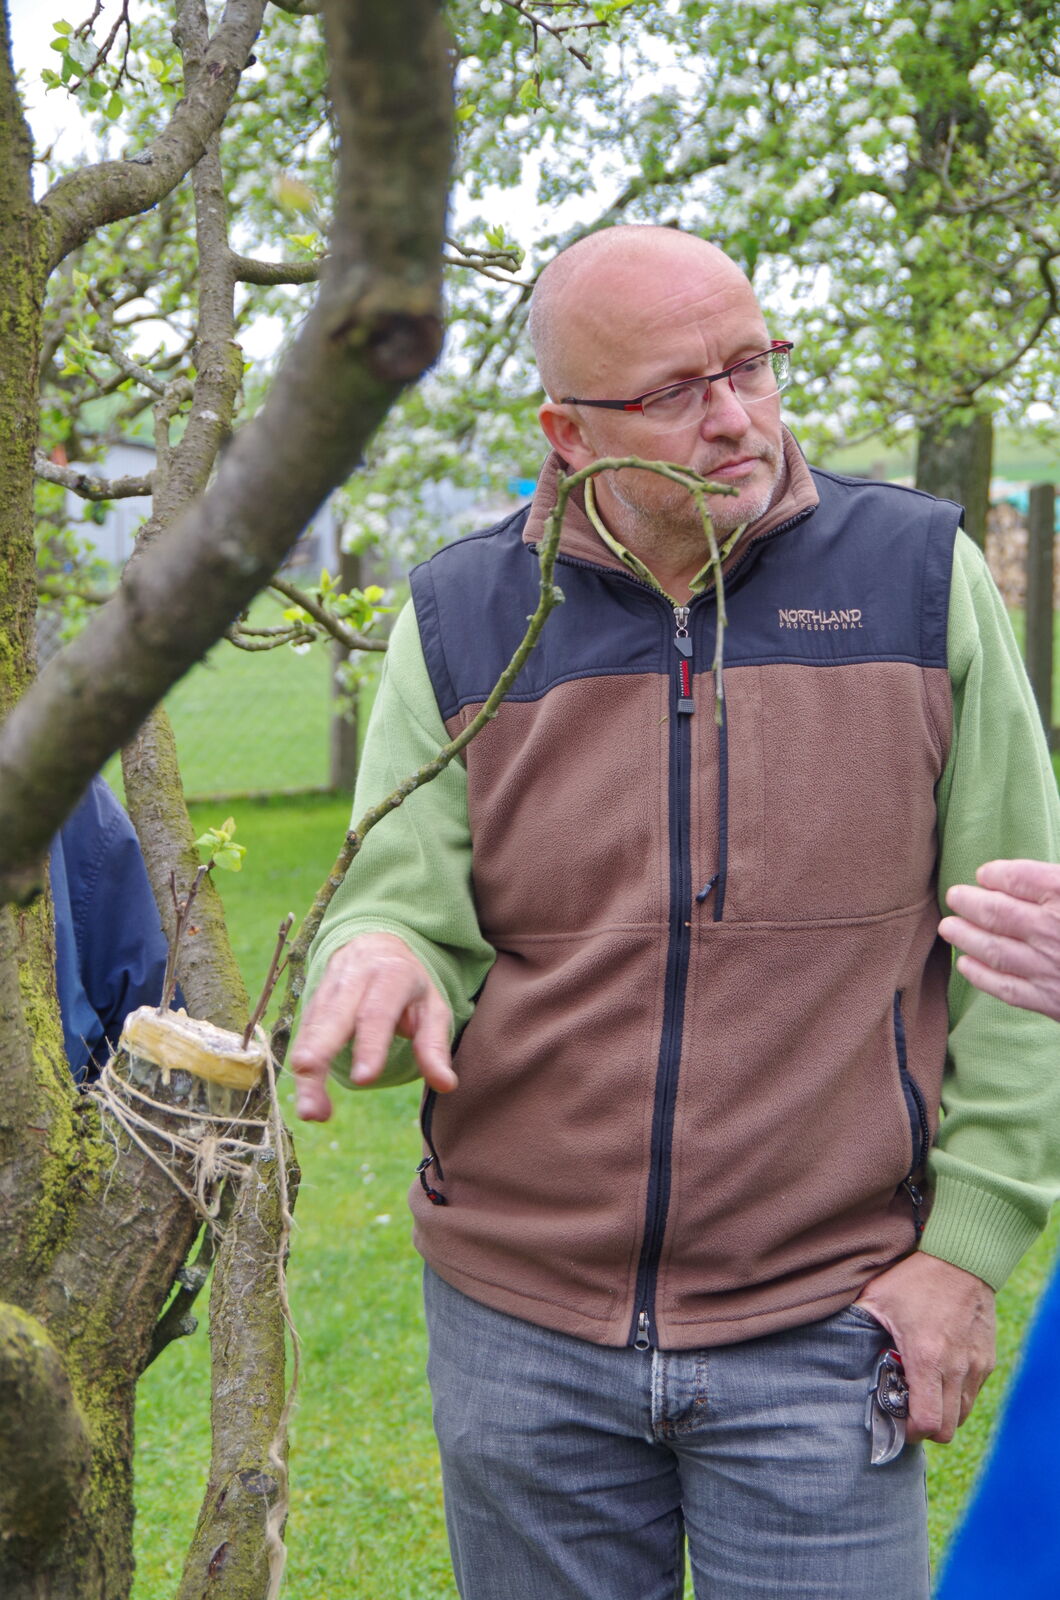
(673, 399)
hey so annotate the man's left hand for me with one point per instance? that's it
(941, 1320)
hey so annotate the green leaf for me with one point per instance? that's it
(114, 107)
(230, 857)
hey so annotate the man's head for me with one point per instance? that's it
(631, 309)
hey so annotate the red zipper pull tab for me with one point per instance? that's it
(683, 644)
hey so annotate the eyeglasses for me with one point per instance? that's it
(754, 378)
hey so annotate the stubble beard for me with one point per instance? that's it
(673, 519)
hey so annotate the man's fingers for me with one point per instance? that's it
(312, 1101)
(324, 1030)
(327, 1024)
(373, 988)
(387, 996)
(995, 912)
(993, 949)
(430, 1042)
(1025, 992)
(941, 1321)
(1038, 881)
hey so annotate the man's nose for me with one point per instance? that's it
(723, 413)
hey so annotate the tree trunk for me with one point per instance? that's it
(954, 460)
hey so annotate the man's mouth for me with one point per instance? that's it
(734, 470)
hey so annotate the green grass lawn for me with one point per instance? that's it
(252, 722)
(366, 1516)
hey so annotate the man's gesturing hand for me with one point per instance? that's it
(1009, 929)
(372, 988)
(941, 1320)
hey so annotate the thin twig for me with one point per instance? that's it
(182, 909)
(549, 596)
(269, 638)
(270, 982)
(50, 587)
(349, 638)
(267, 274)
(536, 22)
(176, 1321)
(487, 272)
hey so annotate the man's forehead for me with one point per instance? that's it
(634, 320)
(636, 298)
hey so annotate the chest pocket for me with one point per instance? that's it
(830, 777)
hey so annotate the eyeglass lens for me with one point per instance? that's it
(755, 379)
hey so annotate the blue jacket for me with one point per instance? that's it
(1008, 1543)
(110, 952)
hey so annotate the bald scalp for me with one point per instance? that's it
(602, 268)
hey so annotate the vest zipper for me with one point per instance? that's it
(641, 1334)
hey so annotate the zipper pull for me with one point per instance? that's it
(917, 1199)
(683, 645)
(643, 1339)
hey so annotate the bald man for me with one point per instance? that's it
(683, 1179)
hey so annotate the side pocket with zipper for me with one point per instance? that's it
(431, 1160)
(916, 1112)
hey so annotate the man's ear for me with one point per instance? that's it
(562, 429)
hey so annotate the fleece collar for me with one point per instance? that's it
(581, 541)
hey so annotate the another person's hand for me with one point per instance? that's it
(373, 988)
(1009, 930)
(941, 1320)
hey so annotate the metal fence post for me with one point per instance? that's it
(1041, 533)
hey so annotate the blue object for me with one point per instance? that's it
(523, 487)
(1008, 1544)
(110, 951)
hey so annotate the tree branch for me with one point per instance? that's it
(177, 1322)
(83, 201)
(267, 274)
(89, 488)
(349, 638)
(44, 1441)
(487, 272)
(536, 21)
(375, 327)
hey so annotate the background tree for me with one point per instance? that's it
(880, 167)
(889, 174)
(93, 1233)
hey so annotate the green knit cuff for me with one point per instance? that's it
(977, 1229)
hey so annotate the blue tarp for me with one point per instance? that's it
(1008, 1546)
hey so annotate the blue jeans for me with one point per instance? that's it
(574, 1471)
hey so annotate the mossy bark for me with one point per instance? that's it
(42, 1429)
(207, 971)
(93, 1230)
(237, 1541)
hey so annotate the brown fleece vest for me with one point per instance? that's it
(699, 1084)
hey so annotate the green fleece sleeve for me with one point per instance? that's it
(996, 1167)
(412, 876)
